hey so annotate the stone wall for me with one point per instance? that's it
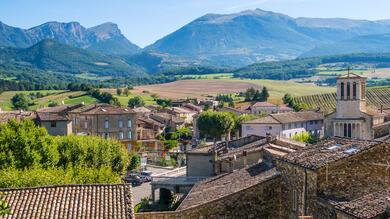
(356, 176)
(61, 128)
(224, 166)
(293, 184)
(200, 164)
(259, 201)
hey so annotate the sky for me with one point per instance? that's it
(145, 21)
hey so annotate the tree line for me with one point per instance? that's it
(29, 156)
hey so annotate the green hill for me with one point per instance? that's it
(53, 56)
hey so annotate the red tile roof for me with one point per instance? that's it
(262, 104)
(226, 184)
(43, 116)
(108, 110)
(70, 201)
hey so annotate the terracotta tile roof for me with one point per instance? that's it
(328, 151)
(263, 120)
(150, 121)
(264, 104)
(285, 108)
(168, 116)
(369, 206)
(290, 117)
(5, 116)
(257, 145)
(182, 110)
(63, 108)
(70, 201)
(142, 110)
(244, 108)
(108, 110)
(192, 107)
(43, 116)
(225, 184)
(89, 107)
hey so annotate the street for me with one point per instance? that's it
(144, 190)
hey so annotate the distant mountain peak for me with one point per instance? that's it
(106, 38)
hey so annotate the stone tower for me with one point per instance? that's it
(351, 96)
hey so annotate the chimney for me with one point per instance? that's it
(268, 137)
(244, 158)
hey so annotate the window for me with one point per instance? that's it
(129, 147)
(53, 124)
(105, 135)
(248, 127)
(267, 128)
(345, 130)
(120, 124)
(289, 126)
(129, 123)
(348, 90)
(354, 90)
(106, 122)
(316, 122)
(295, 125)
(342, 90)
(283, 127)
(86, 123)
(294, 200)
(302, 125)
(75, 121)
(311, 122)
(129, 135)
(120, 135)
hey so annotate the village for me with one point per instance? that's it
(262, 171)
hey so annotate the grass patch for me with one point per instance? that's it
(5, 97)
(123, 100)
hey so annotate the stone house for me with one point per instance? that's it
(182, 112)
(318, 178)
(268, 108)
(142, 111)
(55, 124)
(285, 125)
(353, 118)
(70, 201)
(107, 121)
(148, 128)
(18, 115)
(236, 154)
(170, 121)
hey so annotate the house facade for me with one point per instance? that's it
(54, 123)
(107, 121)
(285, 125)
(268, 108)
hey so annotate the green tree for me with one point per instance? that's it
(135, 162)
(215, 124)
(20, 101)
(264, 95)
(249, 94)
(207, 106)
(136, 101)
(257, 96)
(306, 137)
(154, 96)
(126, 92)
(119, 91)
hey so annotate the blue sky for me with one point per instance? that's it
(145, 21)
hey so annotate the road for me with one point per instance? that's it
(144, 190)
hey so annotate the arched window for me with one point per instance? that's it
(354, 90)
(348, 90)
(342, 90)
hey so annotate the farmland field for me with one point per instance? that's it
(211, 76)
(203, 88)
(5, 97)
(376, 96)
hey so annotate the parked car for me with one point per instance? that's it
(147, 175)
(134, 178)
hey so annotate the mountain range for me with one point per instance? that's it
(104, 38)
(235, 39)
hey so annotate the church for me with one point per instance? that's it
(353, 118)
